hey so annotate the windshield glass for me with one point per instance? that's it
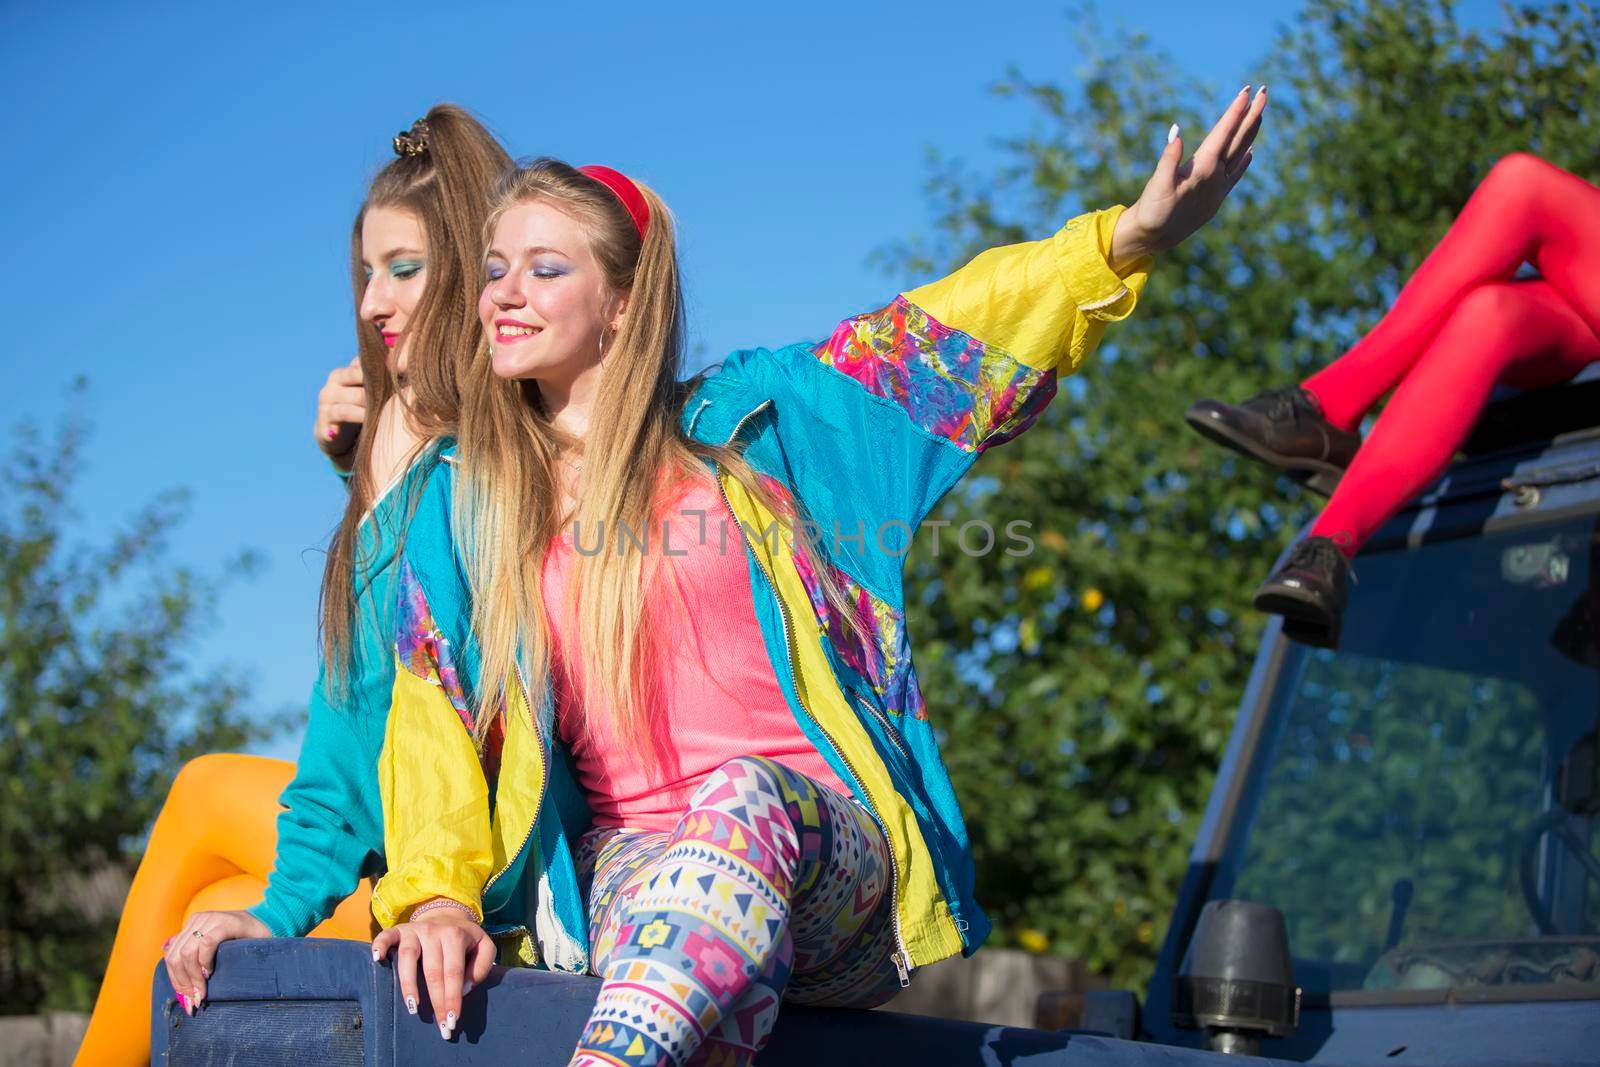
(1405, 813)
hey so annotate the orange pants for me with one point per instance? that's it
(210, 850)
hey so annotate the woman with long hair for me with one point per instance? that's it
(660, 625)
(1463, 322)
(414, 254)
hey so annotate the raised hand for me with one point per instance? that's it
(341, 409)
(1182, 196)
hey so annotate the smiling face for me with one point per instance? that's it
(394, 255)
(547, 301)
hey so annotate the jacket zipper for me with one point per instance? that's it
(901, 957)
(746, 417)
(544, 784)
(883, 720)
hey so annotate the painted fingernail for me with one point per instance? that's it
(183, 1002)
(1246, 89)
(443, 1032)
(466, 987)
(450, 1021)
(411, 1005)
(1261, 90)
(1172, 134)
(206, 974)
(333, 431)
(375, 956)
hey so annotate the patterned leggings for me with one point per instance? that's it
(772, 886)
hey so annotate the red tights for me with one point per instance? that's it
(1460, 325)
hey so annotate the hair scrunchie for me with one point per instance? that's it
(412, 142)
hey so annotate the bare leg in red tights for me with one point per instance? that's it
(1525, 211)
(1460, 325)
(1524, 333)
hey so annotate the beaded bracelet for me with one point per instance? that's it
(442, 902)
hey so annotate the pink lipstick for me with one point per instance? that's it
(510, 331)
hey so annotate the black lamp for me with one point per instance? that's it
(1237, 980)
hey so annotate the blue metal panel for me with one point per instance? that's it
(319, 993)
(1554, 1034)
(304, 980)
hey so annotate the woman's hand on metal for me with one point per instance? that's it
(191, 953)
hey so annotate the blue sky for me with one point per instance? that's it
(180, 180)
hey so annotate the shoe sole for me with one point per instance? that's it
(1303, 618)
(1317, 475)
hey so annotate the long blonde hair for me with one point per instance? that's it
(506, 485)
(447, 165)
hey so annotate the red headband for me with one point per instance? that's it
(627, 192)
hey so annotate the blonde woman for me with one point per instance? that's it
(661, 626)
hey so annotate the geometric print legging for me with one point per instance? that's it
(771, 887)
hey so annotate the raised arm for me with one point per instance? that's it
(877, 422)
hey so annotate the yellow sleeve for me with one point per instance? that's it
(436, 834)
(1045, 303)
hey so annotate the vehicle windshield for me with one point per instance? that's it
(1407, 813)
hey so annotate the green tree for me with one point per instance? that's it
(101, 705)
(1091, 685)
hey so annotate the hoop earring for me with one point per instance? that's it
(602, 344)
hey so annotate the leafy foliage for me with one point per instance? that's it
(100, 708)
(1087, 689)
(1397, 772)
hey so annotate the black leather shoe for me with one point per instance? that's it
(1309, 590)
(1282, 427)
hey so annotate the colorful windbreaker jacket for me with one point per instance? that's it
(330, 833)
(865, 432)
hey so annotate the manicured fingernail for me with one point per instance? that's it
(183, 1002)
(411, 1005)
(1246, 89)
(1261, 90)
(1172, 134)
(333, 431)
(466, 987)
(375, 956)
(204, 973)
(444, 1032)
(450, 1021)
